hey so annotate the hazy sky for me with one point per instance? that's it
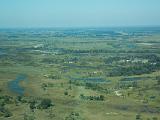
(79, 13)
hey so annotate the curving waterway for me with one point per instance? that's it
(14, 85)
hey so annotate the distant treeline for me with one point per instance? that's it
(68, 51)
(152, 65)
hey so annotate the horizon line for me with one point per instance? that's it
(73, 27)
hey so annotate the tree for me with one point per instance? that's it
(32, 105)
(45, 104)
(19, 98)
(101, 97)
(81, 96)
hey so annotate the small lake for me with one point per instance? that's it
(14, 84)
(131, 45)
(132, 79)
(2, 51)
(92, 80)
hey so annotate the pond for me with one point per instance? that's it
(14, 84)
(131, 45)
(132, 79)
(92, 80)
(2, 51)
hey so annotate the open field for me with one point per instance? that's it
(80, 74)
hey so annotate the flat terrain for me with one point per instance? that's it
(80, 74)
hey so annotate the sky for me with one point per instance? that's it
(79, 13)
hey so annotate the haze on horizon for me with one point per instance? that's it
(79, 13)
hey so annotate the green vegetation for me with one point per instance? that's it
(96, 98)
(80, 74)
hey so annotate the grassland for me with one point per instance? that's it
(80, 74)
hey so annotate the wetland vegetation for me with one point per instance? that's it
(80, 74)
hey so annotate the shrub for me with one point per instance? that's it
(158, 80)
(154, 118)
(7, 113)
(29, 117)
(138, 117)
(65, 93)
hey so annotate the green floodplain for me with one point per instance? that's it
(80, 74)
